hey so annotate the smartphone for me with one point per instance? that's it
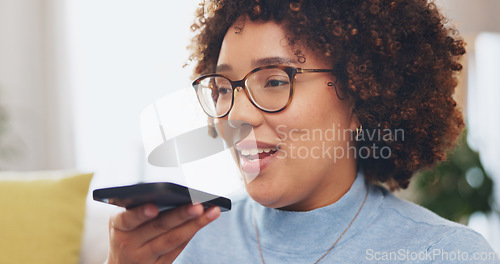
(165, 195)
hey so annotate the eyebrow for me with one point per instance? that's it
(259, 63)
(223, 67)
(273, 61)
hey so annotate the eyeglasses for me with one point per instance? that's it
(270, 89)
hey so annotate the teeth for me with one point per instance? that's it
(255, 151)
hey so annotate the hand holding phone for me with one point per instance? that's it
(142, 234)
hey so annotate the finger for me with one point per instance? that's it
(175, 237)
(132, 218)
(167, 221)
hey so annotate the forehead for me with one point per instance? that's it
(247, 43)
(256, 40)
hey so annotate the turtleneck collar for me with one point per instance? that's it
(315, 231)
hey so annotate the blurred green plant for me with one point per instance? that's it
(456, 187)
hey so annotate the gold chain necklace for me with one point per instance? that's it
(328, 251)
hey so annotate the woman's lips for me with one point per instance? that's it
(254, 166)
(255, 156)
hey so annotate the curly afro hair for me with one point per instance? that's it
(395, 60)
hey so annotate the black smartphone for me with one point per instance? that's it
(165, 195)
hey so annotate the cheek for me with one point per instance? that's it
(316, 108)
(310, 119)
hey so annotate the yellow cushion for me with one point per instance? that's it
(42, 216)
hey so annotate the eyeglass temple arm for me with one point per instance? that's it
(300, 70)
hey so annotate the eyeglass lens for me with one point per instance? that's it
(269, 90)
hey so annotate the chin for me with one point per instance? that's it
(270, 203)
(270, 199)
(264, 196)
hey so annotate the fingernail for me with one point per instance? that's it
(195, 210)
(149, 211)
(213, 213)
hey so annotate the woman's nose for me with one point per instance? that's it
(243, 111)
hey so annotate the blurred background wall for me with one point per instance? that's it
(34, 90)
(75, 76)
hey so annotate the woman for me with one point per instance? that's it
(339, 96)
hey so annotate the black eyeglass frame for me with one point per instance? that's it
(291, 72)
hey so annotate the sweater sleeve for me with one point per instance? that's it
(463, 245)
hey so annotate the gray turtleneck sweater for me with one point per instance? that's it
(387, 230)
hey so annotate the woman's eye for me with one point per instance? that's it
(276, 82)
(224, 91)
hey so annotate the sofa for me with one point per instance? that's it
(50, 217)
